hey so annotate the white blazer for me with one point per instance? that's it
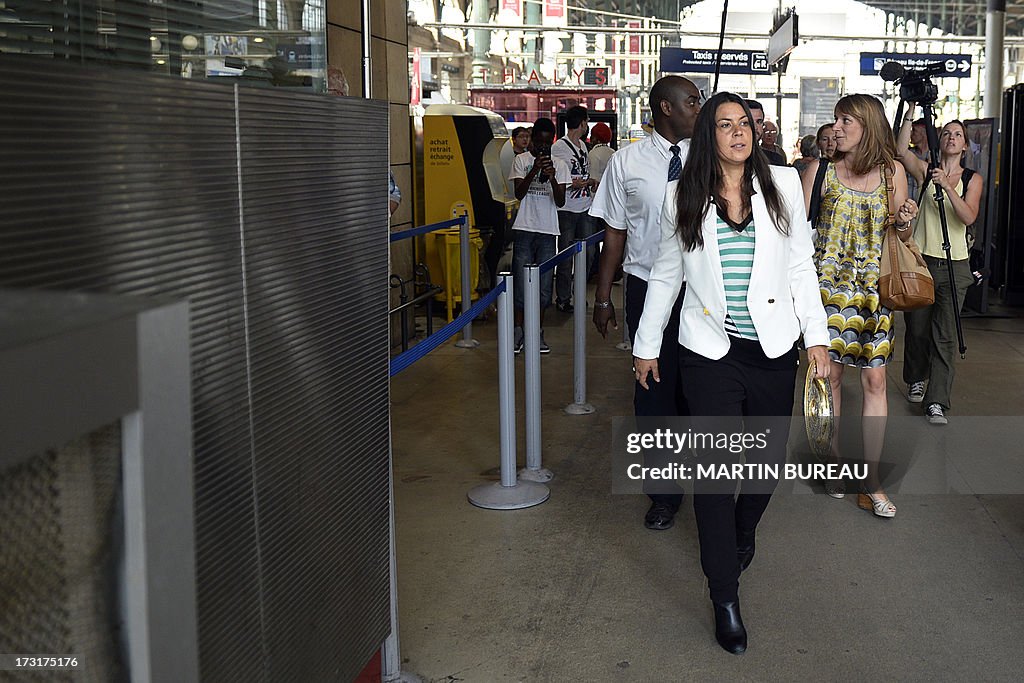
(783, 297)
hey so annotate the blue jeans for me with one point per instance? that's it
(532, 248)
(573, 226)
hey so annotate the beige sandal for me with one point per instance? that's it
(881, 507)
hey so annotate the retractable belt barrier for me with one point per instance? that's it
(534, 470)
(404, 360)
(510, 493)
(465, 293)
(424, 229)
(579, 405)
(528, 488)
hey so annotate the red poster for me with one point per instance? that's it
(416, 82)
(634, 49)
(634, 40)
(554, 8)
(512, 6)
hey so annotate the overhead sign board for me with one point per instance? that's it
(684, 60)
(957, 66)
(783, 39)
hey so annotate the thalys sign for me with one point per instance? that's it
(589, 75)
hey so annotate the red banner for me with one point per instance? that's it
(512, 6)
(554, 8)
(416, 82)
(634, 49)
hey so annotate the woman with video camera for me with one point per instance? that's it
(848, 201)
(735, 226)
(930, 338)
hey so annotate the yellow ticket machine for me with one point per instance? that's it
(462, 173)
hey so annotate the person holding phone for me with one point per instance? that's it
(540, 183)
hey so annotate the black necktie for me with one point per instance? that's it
(675, 165)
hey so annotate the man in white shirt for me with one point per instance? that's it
(629, 201)
(574, 218)
(540, 186)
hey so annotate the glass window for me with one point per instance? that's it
(259, 42)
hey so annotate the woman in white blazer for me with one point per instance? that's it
(737, 230)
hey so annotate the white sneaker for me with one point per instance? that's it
(935, 414)
(915, 392)
(517, 345)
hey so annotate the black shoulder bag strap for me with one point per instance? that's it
(966, 176)
(819, 178)
(968, 173)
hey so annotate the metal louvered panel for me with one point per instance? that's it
(315, 189)
(124, 182)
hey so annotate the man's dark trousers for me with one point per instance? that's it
(665, 398)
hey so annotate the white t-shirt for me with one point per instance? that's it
(537, 210)
(599, 157)
(630, 197)
(577, 199)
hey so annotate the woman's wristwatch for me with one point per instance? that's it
(602, 304)
(906, 226)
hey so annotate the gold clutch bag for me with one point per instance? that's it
(818, 413)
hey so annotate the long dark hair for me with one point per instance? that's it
(700, 183)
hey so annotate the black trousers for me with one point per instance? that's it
(665, 398)
(744, 387)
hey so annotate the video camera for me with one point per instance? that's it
(915, 84)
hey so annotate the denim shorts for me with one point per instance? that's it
(532, 248)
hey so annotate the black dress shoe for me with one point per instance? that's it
(660, 516)
(729, 631)
(744, 548)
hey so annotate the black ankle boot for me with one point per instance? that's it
(744, 548)
(729, 631)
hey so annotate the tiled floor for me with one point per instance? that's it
(576, 589)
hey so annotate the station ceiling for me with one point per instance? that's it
(960, 17)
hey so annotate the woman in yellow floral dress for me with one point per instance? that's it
(853, 211)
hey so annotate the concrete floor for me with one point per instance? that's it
(576, 589)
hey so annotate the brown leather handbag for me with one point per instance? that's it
(904, 282)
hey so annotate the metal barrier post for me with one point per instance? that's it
(624, 345)
(467, 341)
(531, 350)
(507, 494)
(391, 658)
(579, 406)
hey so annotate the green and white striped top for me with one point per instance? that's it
(736, 249)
